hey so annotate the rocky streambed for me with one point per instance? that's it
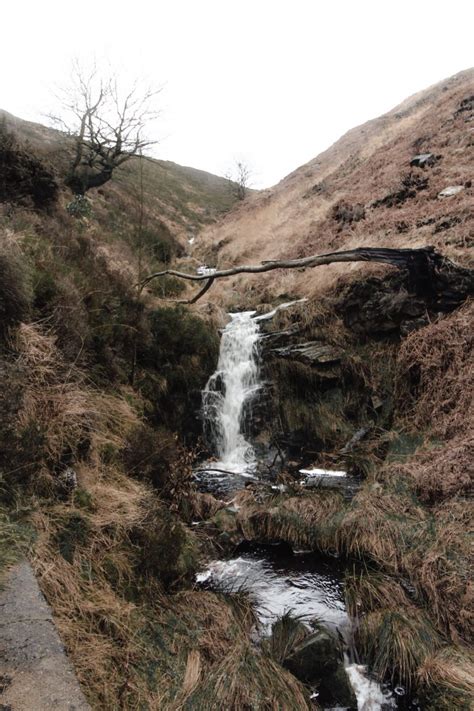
(298, 595)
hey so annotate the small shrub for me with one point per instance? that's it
(166, 548)
(74, 532)
(24, 178)
(80, 206)
(15, 291)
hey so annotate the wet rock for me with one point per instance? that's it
(376, 306)
(450, 191)
(336, 689)
(318, 660)
(312, 352)
(317, 656)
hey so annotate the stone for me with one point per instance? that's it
(450, 191)
(423, 160)
(317, 656)
(318, 660)
(337, 690)
(312, 352)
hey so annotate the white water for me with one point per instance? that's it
(370, 695)
(229, 390)
(225, 401)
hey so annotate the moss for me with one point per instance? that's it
(166, 548)
(74, 532)
(15, 290)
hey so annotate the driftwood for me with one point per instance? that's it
(429, 273)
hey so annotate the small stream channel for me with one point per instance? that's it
(279, 579)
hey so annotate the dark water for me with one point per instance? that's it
(280, 580)
(312, 587)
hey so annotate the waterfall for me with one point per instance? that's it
(229, 391)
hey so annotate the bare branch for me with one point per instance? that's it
(107, 125)
(421, 264)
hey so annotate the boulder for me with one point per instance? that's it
(318, 660)
(423, 160)
(319, 655)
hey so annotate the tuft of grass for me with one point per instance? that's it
(287, 632)
(396, 642)
(368, 591)
(246, 680)
(311, 520)
(449, 673)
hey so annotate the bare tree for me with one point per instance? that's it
(107, 125)
(239, 179)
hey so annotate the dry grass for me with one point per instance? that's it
(367, 591)
(245, 680)
(306, 521)
(287, 632)
(397, 641)
(380, 526)
(61, 406)
(440, 361)
(450, 673)
(441, 567)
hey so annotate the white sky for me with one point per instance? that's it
(270, 81)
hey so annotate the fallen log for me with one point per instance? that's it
(429, 273)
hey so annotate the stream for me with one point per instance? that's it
(279, 579)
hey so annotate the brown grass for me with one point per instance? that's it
(452, 670)
(397, 641)
(61, 406)
(439, 361)
(306, 521)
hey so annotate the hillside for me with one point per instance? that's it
(101, 418)
(362, 191)
(183, 199)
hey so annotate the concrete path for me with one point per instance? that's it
(35, 673)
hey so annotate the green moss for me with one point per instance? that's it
(74, 532)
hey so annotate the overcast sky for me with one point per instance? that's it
(268, 81)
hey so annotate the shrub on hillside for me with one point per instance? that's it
(182, 350)
(15, 293)
(24, 178)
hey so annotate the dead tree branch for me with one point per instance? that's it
(428, 270)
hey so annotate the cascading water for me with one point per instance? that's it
(226, 403)
(230, 390)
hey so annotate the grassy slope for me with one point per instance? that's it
(184, 198)
(99, 389)
(297, 217)
(412, 520)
